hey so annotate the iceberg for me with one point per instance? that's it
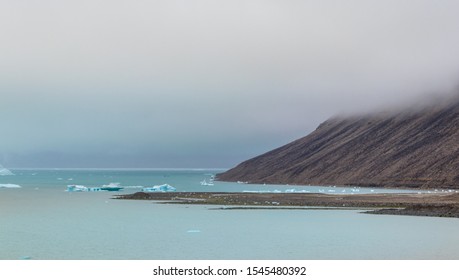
(80, 188)
(4, 171)
(160, 188)
(112, 187)
(9, 186)
(205, 183)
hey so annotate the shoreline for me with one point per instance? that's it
(431, 205)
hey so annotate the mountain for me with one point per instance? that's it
(414, 148)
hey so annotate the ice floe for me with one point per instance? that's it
(112, 187)
(5, 172)
(80, 188)
(205, 183)
(118, 187)
(210, 182)
(9, 186)
(160, 188)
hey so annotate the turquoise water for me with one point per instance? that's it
(135, 179)
(41, 220)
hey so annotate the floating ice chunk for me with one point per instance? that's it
(290, 190)
(205, 183)
(160, 188)
(193, 231)
(9, 186)
(112, 187)
(4, 171)
(79, 188)
(76, 188)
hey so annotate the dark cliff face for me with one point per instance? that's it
(406, 149)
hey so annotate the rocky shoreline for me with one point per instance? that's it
(450, 211)
(434, 205)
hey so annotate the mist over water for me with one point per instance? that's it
(207, 83)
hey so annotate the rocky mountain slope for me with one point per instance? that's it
(416, 148)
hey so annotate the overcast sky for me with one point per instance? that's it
(137, 83)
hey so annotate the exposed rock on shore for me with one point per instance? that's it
(440, 205)
(449, 210)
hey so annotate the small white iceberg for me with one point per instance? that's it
(160, 188)
(112, 187)
(9, 186)
(4, 171)
(205, 183)
(80, 188)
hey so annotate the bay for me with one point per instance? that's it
(41, 220)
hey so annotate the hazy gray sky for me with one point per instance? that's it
(137, 83)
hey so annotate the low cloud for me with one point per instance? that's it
(208, 82)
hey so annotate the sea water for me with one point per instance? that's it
(40, 220)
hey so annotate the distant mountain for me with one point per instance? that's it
(416, 148)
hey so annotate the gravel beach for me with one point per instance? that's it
(436, 205)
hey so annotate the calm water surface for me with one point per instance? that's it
(41, 220)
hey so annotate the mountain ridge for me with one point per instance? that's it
(412, 148)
